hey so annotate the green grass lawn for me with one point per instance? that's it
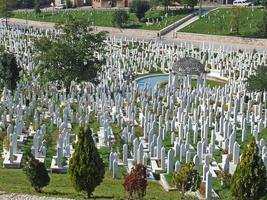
(102, 18)
(60, 186)
(219, 22)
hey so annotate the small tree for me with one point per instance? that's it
(119, 18)
(249, 179)
(36, 173)
(136, 182)
(37, 6)
(258, 81)
(86, 167)
(187, 179)
(139, 7)
(9, 70)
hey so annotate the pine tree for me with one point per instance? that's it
(86, 167)
(36, 173)
(9, 70)
(249, 179)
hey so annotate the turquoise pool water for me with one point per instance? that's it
(152, 81)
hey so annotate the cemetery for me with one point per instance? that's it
(203, 114)
(223, 21)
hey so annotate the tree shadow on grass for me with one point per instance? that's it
(71, 195)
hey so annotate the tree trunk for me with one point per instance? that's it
(182, 193)
(89, 195)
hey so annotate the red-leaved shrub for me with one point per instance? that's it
(136, 182)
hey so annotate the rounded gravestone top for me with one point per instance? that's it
(188, 65)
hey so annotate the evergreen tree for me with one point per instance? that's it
(186, 179)
(249, 179)
(6, 8)
(86, 167)
(9, 70)
(36, 173)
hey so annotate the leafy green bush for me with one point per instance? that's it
(36, 173)
(186, 179)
